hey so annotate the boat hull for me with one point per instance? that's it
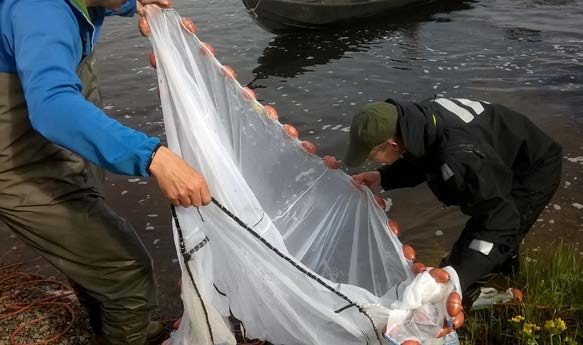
(281, 15)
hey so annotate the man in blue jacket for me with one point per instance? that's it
(52, 136)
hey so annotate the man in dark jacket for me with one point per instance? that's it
(491, 161)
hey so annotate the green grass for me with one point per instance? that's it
(552, 282)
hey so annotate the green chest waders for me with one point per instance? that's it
(52, 199)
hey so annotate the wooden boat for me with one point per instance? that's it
(285, 15)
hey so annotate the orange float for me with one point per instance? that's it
(249, 93)
(444, 331)
(207, 49)
(380, 202)
(418, 267)
(188, 25)
(271, 112)
(517, 294)
(331, 162)
(144, 27)
(410, 342)
(309, 147)
(228, 72)
(454, 304)
(409, 252)
(291, 131)
(153, 60)
(394, 227)
(440, 275)
(458, 321)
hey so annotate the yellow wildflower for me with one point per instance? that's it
(529, 328)
(555, 326)
(517, 318)
(549, 325)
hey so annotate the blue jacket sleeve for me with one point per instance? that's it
(127, 10)
(47, 48)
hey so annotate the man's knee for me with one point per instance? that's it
(475, 262)
(146, 281)
(126, 286)
(135, 286)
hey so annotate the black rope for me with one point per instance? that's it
(344, 308)
(186, 256)
(301, 269)
(219, 291)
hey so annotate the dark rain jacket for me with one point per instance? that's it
(470, 153)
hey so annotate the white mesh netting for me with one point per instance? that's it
(311, 259)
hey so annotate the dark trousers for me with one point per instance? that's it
(531, 193)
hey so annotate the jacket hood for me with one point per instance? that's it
(418, 127)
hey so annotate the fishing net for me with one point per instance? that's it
(289, 247)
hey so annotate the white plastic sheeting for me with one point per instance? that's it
(308, 243)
